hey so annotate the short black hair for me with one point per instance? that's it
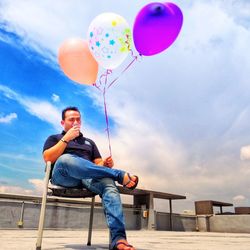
(67, 109)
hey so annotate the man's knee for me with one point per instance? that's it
(108, 182)
(109, 186)
(65, 159)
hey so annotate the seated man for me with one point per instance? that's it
(76, 162)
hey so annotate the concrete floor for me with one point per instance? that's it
(142, 240)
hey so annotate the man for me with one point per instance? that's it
(77, 162)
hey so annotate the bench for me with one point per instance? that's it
(146, 198)
(205, 207)
(242, 210)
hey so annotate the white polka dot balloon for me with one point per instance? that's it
(109, 39)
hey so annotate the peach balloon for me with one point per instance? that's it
(77, 62)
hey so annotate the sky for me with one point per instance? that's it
(179, 119)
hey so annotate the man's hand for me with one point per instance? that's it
(72, 133)
(108, 162)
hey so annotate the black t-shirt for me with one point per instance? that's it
(80, 146)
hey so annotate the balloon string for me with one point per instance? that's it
(126, 68)
(107, 120)
(103, 87)
(108, 71)
(103, 91)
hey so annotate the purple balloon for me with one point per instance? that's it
(156, 27)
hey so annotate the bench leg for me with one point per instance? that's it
(91, 221)
(109, 240)
(43, 208)
(41, 226)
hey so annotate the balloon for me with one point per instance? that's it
(109, 38)
(156, 27)
(77, 62)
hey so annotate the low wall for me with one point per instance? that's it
(76, 216)
(232, 223)
(179, 222)
(58, 216)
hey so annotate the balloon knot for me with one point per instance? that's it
(157, 9)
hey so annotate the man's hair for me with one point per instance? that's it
(67, 109)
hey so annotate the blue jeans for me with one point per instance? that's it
(73, 171)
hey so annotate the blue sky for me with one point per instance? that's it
(179, 119)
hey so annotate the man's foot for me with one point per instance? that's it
(130, 181)
(123, 245)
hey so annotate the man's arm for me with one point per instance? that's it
(108, 162)
(52, 154)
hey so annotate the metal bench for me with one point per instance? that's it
(206, 207)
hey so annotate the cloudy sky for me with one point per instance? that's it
(179, 119)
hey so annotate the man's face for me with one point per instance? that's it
(72, 119)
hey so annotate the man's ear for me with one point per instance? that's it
(62, 122)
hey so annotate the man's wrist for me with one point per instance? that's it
(64, 141)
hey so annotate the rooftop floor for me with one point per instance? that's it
(142, 240)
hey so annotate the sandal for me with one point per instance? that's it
(131, 180)
(122, 243)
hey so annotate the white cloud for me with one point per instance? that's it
(38, 185)
(44, 26)
(239, 198)
(36, 190)
(55, 98)
(41, 109)
(15, 190)
(245, 153)
(8, 118)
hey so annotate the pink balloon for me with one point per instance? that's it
(156, 27)
(77, 62)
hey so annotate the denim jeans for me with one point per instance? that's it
(73, 171)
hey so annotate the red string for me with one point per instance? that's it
(103, 87)
(126, 68)
(107, 120)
